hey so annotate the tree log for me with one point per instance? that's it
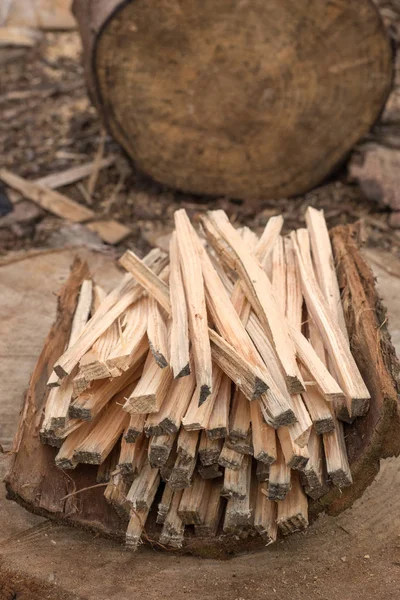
(249, 99)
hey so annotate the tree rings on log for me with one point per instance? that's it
(244, 98)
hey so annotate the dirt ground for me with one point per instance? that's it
(47, 125)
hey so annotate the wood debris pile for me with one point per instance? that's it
(210, 385)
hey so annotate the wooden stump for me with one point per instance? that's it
(35, 482)
(249, 99)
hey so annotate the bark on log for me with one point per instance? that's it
(35, 482)
(251, 100)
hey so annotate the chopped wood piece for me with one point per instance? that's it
(166, 470)
(209, 450)
(258, 289)
(265, 515)
(294, 295)
(143, 489)
(337, 463)
(236, 480)
(93, 400)
(65, 458)
(350, 379)
(268, 238)
(239, 422)
(210, 471)
(182, 472)
(149, 393)
(135, 428)
(93, 365)
(318, 410)
(160, 447)
(264, 437)
(164, 505)
(195, 302)
(135, 528)
(198, 414)
(132, 337)
(193, 505)
(328, 386)
(157, 334)
(180, 362)
(279, 477)
(314, 473)
(72, 175)
(52, 201)
(325, 264)
(107, 467)
(262, 471)
(279, 273)
(215, 507)
(229, 458)
(125, 294)
(169, 417)
(295, 457)
(173, 528)
(110, 231)
(238, 514)
(102, 438)
(187, 445)
(300, 431)
(293, 510)
(218, 423)
(115, 494)
(244, 446)
(125, 460)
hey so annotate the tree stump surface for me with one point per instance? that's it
(34, 482)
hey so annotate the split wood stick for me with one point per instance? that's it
(318, 409)
(149, 393)
(350, 378)
(243, 446)
(209, 450)
(325, 264)
(238, 513)
(143, 489)
(179, 326)
(173, 528)
(210, 471)
(65, 458)
(195, 302)
(135, 428)
(52, 201)
(157, 333)
(235, 480)
(279, 477)
(215, 506)
(258, 288)
(328, 386)
(193, 505)
(136, 527)
(125, 294)
(239, 422)
(293, 510)
(182, 472)
(169, 417)
(95, 448)
(264, 437)
(115, 494)
(160, 447)
(295, 457)
(262, 471)
(56, 437)
(106, 469)
(125, 460)
(314, 473)
(140, 457)
(230, 459)
(72, 175)
(187, 445)
(223, 354)
(91, 402)
(132, 337)
(265, 515)
(294, 295)
(93, 365)
(198, 414)
(164, 505)
(268, 238)
(279, 282)
(337, 462)
(300, 431)
(218, 423)
(166, 470)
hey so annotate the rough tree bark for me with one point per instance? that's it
(252, 100)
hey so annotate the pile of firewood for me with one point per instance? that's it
(210, 385)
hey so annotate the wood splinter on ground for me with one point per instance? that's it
(209, 399)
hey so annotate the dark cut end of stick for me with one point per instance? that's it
(210, 471)
(185, 371)
(58, 423)
(217, 434)
(89, 458)
(205, 391)
(262, 471)
(131, 436)
(158, 357)
(278, 491)
(295, 386)
(66, 463)
(342, 413)
(168, 426)
(60, 371)
(77, 412)
(341, 478)
(324, 426)
(286, 418)
(259, 388)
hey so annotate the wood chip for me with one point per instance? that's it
(110, 231)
